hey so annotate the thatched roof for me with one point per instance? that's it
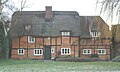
(61, 21)
(93, 23)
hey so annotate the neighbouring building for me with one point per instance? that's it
(51, 34)
(115, 49)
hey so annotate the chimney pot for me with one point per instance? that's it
(48, 13)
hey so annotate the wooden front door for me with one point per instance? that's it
(47, 53)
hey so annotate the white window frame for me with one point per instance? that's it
(31, 39)
(101, 51)
(65, 33)
(95, 34)
(67, 53)
(52, 50)
(20, 51)
(88, 51)
(28, 27)
(40, 53)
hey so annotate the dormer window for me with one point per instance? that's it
(95, 33)
(28, 27)
(31, 39)
(65, 33)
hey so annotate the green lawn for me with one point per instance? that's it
(51, 66)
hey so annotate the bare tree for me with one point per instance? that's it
(111, 8)
(11, 5)
(23, 2)
(4, 48)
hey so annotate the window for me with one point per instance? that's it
(95, 34)
(38, 51)
(101, 51)
(86, 51)
(31, 39)
(65, 33)
(52, 50)
(27, 27)
(21, 51)
(65, 51)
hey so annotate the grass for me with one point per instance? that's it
(51, 66)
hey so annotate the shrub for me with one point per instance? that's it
(66, 56)
(116, 59)
(94, 55)
(78, 59)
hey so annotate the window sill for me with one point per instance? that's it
(86, 54)
(37, 54)
(31, 42)
(20, 54)
(101, 54)
(65, 54)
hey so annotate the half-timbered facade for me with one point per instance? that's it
(51, 34)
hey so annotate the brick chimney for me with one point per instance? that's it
(48, 13)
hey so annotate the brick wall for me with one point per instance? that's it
(16, 56)
(59, 42)
(94, 45)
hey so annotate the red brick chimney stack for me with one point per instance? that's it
(48, 13)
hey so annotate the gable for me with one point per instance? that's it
(93, 23)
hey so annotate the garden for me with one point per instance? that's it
(57, 66)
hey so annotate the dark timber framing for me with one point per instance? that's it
(72, 46)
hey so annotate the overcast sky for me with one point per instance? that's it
(84, 7)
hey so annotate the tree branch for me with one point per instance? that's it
(5, 2)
